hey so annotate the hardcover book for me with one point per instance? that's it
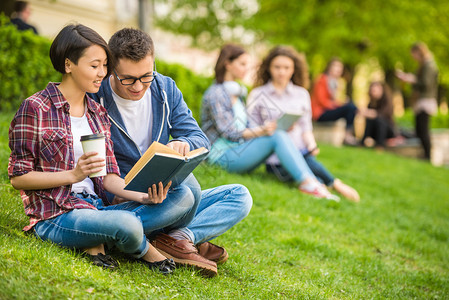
(160, 163)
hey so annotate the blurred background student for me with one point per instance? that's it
(425, 92)
(20, 16)
(282, 81)
(325, 107)
(380, 128)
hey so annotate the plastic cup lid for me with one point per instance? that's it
(92, 137)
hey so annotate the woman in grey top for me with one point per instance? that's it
(425, 91)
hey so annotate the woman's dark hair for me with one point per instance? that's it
(71, 42)
(228, 53)
(385, 102)
(130, 43)
(331, 62)
(301, 71)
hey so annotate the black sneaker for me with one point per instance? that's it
(102, 260)
(166, 266)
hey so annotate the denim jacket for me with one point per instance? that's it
(171, 117)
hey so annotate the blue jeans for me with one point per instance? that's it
(247, 156)
(220, 208)
(177, 210)
(86, 228)
(321, 173)
(346, 111)
(319, 170)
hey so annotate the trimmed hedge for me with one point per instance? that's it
(191, 85)
(440, 120)
(25, 68)
(25, 65)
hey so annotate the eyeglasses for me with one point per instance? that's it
(132, 80)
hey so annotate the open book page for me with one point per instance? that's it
(196, 152)
(188, 156)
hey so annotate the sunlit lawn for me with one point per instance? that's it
(394, 244)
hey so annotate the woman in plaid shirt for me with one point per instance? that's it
(49, 168)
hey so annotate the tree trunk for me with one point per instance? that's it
(391, 81)
(348, 75)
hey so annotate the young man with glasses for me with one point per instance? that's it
(145, 106)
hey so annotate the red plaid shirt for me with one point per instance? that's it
(40, 138)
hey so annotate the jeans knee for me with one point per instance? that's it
(194, 186)
(280, 136)
(129, 230)
(187, 198)
(191, 190)
(351, 106)
(243, 198)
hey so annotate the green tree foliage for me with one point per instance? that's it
(353, 30)
(208, 22)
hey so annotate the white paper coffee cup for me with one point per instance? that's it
(95, 142)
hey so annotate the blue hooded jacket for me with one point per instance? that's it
(171, 117)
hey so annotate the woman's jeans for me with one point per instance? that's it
(176, 211)
(346, 112)
(123, 225)
(87, 228)
(320, 171)
(247, 156)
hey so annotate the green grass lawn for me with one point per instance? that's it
(394, 244)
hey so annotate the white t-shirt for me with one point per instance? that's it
(138, 118)
(80, 127)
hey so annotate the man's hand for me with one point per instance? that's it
(182, 147)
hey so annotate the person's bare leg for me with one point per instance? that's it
(348, 192)
(153, 255)
(95, 250)
(350, 139)
(313, 187)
